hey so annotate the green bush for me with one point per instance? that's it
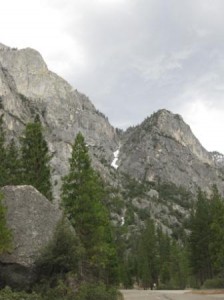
(61, 255)
(93, 291)
(60, 292)
(8, 294)
(215, 283)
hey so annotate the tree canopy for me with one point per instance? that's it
(82, 199)
(35, 159)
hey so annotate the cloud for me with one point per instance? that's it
(206, 123)
(131, 57)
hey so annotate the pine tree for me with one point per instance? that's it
(82, 194)
(199, 240)
(216, 245)
(36, 158)
(148, 263)
(164, 246)
(5, 233)
(13, 164)
(178, 266)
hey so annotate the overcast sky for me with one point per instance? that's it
(132, 57)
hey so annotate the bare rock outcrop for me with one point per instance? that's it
(28, 88)
(32, 220)
(163, 148)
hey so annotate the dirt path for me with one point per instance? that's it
(167, 295)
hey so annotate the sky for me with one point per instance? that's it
(132, 57)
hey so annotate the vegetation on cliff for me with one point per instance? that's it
(88, 255)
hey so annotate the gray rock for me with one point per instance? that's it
(32, 219)
(153, 194)
(163, 148)
(28, 88)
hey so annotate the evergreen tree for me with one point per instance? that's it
(199, 240)
(178, 266)
(5, 233)
(216, 245)
(164, 245)
(148, 263)
(35, 159)
(82, 194)
(13, 164)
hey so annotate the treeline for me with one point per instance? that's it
(87, 255)
(206, 240)
(194, 260)
(29, 163)
(81, 260)
(155, 259)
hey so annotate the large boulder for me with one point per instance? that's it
(32, 219)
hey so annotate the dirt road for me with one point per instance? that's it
(166, 295)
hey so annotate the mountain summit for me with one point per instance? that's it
(161, 149)
(28, 88)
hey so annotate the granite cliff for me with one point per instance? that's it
(162, 149)
(28, 88)
(32, 220)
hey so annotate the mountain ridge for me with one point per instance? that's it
(161, 148)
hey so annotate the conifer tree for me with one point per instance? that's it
(13, 164)
(148, 263)
(216, 245)
(5, 233)
(164, 256)
(35, 159)
(82, 194)
(199, 240)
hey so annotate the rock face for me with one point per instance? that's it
(164, 148)
(32, 219)
(161, 148)
(28, 88)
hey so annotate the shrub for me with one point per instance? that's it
(93, 291)
(214, 283)
(8, 294)
(61, 255)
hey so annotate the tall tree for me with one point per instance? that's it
(13, 164)
(178, 266)
(199, 240)
(216, 245)
(148, 263)
(82, 195)
(164, 247)
(35, 159)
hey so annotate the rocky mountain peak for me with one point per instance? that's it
(165, 123)
(161, 147)
(3, 47)
(27, 68)
(164, 148)
(28, 88)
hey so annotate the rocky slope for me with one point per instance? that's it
(32, 220)
(28, 88)
(163, 148)
(144, 165)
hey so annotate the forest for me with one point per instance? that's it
(92, 253)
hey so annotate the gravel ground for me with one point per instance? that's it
(171, 295)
